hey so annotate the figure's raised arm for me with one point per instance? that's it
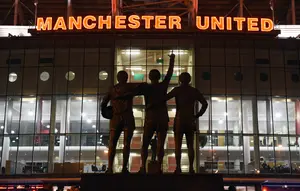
(203, 102)
(170, 69)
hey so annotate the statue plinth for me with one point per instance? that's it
(153, 167)
(152, 182)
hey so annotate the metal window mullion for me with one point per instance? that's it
(37, 109)
(98, 126)
(241, 106)
(287, 111)
(197, 134)
(82, 97)
(271, 108)
(51, 145)
(255, 119)
(68, 100)
(21, 103)
(226, 107)
(210, 108)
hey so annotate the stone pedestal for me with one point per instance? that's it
(152, 182)
(153, 167)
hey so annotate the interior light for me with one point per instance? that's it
(94, 126)
(178, 52)
(30, 113)
(97, 131)
(221, 121)
(101, 135)
(229, 99)
(17, 138)
(2, 127)
(13, 141)
(48, 126)
(225, 113)
(12, 132)
(278, 115)
(131, 52)
(89, 121)
(280, 146)
(173, 110)
(83, 114)
(30, 100)
(132, 73)
(105, 151)
(56, 130)
(135, 68)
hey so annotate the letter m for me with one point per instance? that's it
(44, 25)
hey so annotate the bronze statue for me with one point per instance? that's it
(121, 119)
(153, 148)
(156, 119)
(185, 119)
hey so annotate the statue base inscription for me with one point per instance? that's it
(153, 182)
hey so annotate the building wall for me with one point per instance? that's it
(50, 112)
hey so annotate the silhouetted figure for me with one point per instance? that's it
(185, 120)
(156, 119)
(103, 168)
(231, 188)
(3, 170)
(154, 148)
(122, 119)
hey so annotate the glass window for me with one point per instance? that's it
(280, 122)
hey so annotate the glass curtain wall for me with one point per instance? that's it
(251, 125)
(49, 109)
(49, 105)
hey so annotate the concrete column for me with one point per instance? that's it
(64, 127)
(237, 165)
(246, 139)
(39, 112)
(236, 130)
(52, 136)
(256, 133)
(269, 118)
(7, 125)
